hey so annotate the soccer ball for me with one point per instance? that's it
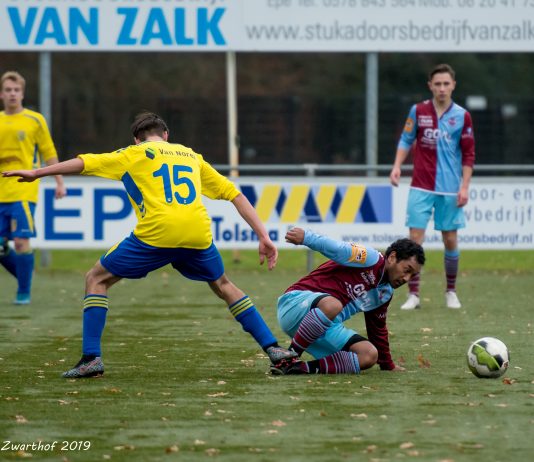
(488, 358)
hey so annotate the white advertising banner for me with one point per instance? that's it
(268, 25)
(98, 214)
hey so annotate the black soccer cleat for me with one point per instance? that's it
(288, 368)
(86, 368)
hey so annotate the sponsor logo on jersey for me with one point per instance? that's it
(369, 276)
(425, 121)
(21, 135)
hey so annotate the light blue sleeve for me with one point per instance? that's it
(408, 134)
(344, 253)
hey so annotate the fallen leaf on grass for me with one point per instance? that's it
(124, 447)
(501, 405)
(508, 381)
(199, 442)
(113, 390)
(426, 329)
(407, 445)
(213, 451)
(216, 395)
(23, 454)
(425, 363)
(413, 453)
(173, 448)
(371, 448)
(278, 423)
(21, 419)
(359, 416)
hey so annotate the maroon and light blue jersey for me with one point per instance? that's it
(355, 275)
(442, 146)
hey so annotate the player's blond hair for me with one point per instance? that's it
(14, 76)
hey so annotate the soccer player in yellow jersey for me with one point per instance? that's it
(164, 182)
(24, 143)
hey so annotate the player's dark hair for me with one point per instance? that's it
(442, 69)
(405, 249)
(146, 124)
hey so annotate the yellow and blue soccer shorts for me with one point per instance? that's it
(16, 219)
(447, 215)
(294, 305)
(133, 259)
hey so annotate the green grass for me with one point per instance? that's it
(183, 382)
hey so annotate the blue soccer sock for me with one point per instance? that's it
(246, 314)
(24, 270)
(95, 309)
(9, 261)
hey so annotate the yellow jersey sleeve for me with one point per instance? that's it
(215, 185)
(112, 165)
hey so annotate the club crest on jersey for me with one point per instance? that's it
(359, 254)
(149, 152)
(21, 135)
(408, 126)
(452, 121)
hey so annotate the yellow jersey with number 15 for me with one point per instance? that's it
(165, 183)
(24, 143)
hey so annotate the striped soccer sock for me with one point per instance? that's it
(250, 319)
(341, 362)
(95, 309)
(413, 284)
(314, 324)
(450, 261)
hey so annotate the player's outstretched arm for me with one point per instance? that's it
(69, 167)
(266, 247)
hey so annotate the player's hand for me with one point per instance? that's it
(26, 176)
(268, 250)
(295, 236)
(462, 198)
(61, 191)
(398, 368)
(394, 176)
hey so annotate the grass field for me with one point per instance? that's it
(183, 382)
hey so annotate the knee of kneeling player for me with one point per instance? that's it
(367, 355)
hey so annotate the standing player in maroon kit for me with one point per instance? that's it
(356, 279)
(441, 134)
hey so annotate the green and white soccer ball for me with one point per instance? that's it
(488, 358)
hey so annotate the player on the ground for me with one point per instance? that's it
(441, 133)
(165, 182)
(356, 279)
(25, 142)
